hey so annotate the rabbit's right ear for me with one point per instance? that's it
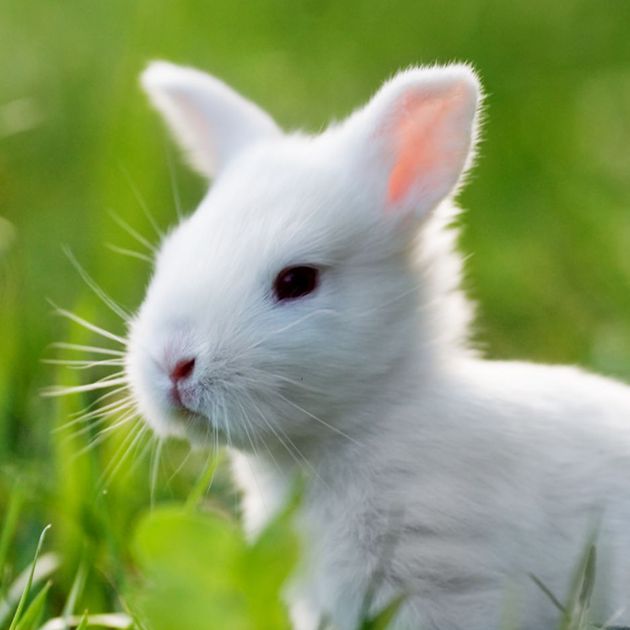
(210, 120)
(412, 143)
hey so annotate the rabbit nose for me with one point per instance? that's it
(182, 370)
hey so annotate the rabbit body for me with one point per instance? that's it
(487, 474)
(314, 301)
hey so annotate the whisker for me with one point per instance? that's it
(97, 290)
(180, 466)
(215, 433)
(143, 453)
(100, 399)
(114, 375)
(274, 461)
(299, 453)
(133, 233)
(97, 415)
(95, 409)
(173, 180)
(246, 423)
(101, 437)
(421, 307)
(144, 432)
(108, 429)
(83, 365)
(278, 331)
(122, 448)
(226, 423)
(93, 327)
(273, 430)
(286, 379)
(129, 444)
(333, 428)
(91, 349)
(141, 201)
(155, 469)
(59, 390)
(88, 414)
(128, 252)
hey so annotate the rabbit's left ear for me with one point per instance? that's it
(415, 138)
(211, 121)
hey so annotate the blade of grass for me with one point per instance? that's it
(552, 598)
(46, 565)
(29, 583)
(8, 529)
(204, 482)
(383, 619)
(33, 614)
(588, 586)
(578, 602)
(76, 590)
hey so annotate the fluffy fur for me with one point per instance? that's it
(431, 472)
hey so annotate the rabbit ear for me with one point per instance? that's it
(414, 139)
(210, 120)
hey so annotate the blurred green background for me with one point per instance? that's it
(547, 221)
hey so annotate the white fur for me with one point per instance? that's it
(431, 472)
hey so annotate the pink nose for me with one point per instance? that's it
(182, 370)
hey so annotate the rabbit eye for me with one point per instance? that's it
(295, 282)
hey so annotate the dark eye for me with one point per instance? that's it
(295, 282)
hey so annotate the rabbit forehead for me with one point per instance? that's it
(288, 200)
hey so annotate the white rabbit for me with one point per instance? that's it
(309, 315)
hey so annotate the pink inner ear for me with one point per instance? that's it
(422, 141)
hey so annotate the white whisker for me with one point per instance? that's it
(143, 453)
(102, 432)
(180, 466)
(251, 469)
(273, 333)
(88, 414)
(59, 390)
(129, 444)
(97, 416)
(174, 186)
(101, 437)
(97, 290)
(141, 201)
(93, 327)
(299, 453)
(128, 252)
(83, 365)
(155, 470)
(94, 404)
(133, 233)
(286, 379)
(95, 409)
(144, 432)
(274, 432)
(226, 423)
(246, 426)
(90, 349)
(333, 428)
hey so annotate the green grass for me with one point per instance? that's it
(547, 219)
